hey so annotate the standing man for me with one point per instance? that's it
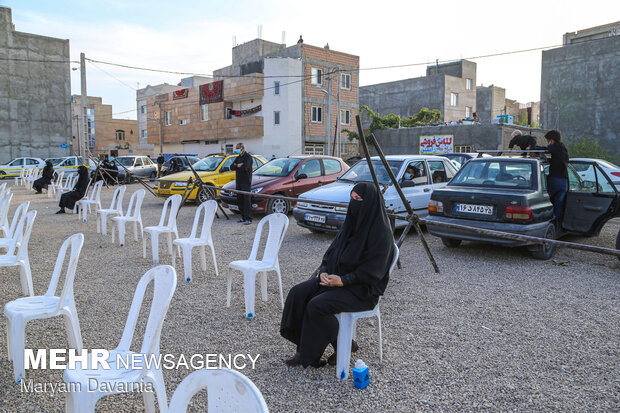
(557, 181)
(160, 164)
(243, 167)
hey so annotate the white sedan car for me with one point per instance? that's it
(612, 170)
(14, 167)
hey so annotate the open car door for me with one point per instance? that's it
(591, 199)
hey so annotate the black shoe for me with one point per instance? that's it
(241, 220)
(293, 361)
(319, 363)
(62, 211)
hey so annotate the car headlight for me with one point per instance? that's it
(341, 209)
(303, 205)
(181, 184)
(256, 190)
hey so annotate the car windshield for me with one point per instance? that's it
(278, 167)
(208, 164)
(361, 173)
(513, 174)
(55, 161)
(126, 161)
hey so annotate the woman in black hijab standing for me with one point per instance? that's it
(68, 200)
(352, 276)
(46, 178)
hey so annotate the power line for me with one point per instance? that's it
(115, 78)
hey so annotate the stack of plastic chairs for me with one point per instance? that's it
(5, 204)
(51, 188)
(17, 251)
(19, 180)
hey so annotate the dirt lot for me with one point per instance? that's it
(495, 330)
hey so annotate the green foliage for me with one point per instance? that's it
(588, 147)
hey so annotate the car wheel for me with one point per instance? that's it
(316, 231)
(281, 206)
(205, 194)
(451, 242)
(618, 242)
(545, 251)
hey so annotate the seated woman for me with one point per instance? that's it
(68, 199)
(352, 276)
(46, 178)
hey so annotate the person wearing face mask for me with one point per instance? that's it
(242, 165)
(409, 174)
(353, 274)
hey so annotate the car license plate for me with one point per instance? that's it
(475, 209)
(315, 218)
(233, 207)
(164, 192)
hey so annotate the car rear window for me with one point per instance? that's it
(510, 174)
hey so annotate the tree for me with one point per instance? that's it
(588, 147)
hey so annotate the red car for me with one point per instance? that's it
(289, 176)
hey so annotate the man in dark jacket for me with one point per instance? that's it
(160, 164)
(243, 167)
(524, 142)
(557, 181)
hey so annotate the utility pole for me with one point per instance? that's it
(338, 120)
(83, 104)
(328, 126)
(161, 130)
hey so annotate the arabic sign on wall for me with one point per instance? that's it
(436, 144)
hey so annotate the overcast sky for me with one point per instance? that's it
(196, 36)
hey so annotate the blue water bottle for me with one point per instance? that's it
(360, 374)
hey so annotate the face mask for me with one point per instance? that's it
(408, 176)
(238, 151)
(354, 207)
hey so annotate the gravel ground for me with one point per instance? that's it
(496, 330)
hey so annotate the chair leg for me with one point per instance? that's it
(121, 232)
(203, 256)
(187, 262)
(8, 338)
(280, 285)
(149, 401)
(72, 324)
(135, 230)
(263, 285)
(170, 243)
(214, 260)
(228, 288)
(113, 231)
(83, 401)
(380, 336)
(155, 246)
(26, 277)
(144, 246)
(99, 219)
(343, 351)
(160, 391)
(17, 340)
(249, 287)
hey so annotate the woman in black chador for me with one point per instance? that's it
(46, 178)
(352, 276)
(68, 200)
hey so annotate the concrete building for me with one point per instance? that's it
(580, 86)
(491, 102)
(278, 100)
(449, 87)
(35, 93)
(105, 135)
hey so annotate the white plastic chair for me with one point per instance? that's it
(5, 204)
(167, 225)
(346, 331)
(164, 279)
(227, 391)
(3, 188)
(133, 214)
(21, 210)
(278, 223)
(17, 251)
(19, 180)
(116, 208)
(34, 175)
(51, 188)
(204, 240)
(25, 309)
(83, 205)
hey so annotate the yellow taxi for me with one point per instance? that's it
(214, 170)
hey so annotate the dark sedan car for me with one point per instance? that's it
(291, 177)
(510, 195)
(181, 162)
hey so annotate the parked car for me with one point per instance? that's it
(68, 164)
(510, 195)
(291, 177)
(181, 161)
(428, 173)
(461, 157)
(141, 166)
(612, 170)
(214, 170)
(14, 167)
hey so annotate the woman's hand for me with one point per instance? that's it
(330, 280)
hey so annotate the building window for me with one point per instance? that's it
(454, 99)
(90, 125)
(182, 121)
(276, 117)
(168, 118)
(144, 134)
(317, 114)
(276, 88)
(120, 135)
(462, 148)
(317, 76)
(469, 84)
(345, 116)
(204, 112)
(345, 81)
(467, 112)
(143, 109)
(229, 148)
(314, 149)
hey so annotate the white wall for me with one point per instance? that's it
(283, 139)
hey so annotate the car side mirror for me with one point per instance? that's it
(225, 169)
(588, 184)
(301, 176)
(407, 183)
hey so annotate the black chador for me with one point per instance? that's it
(68, 200)
(46, 178)
(360, 255)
